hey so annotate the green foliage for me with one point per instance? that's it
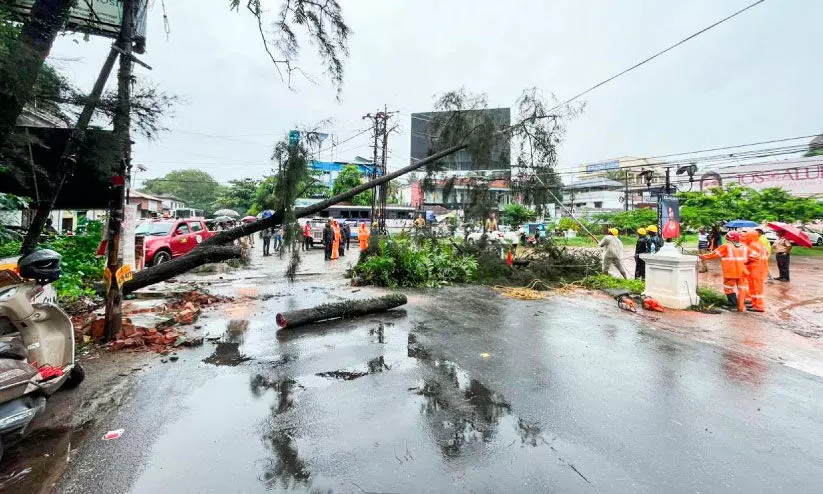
(547, 262)
(10, 248)
(323, 24)
(9, 202)
(566, 224)
(196, 188)
(81, 269)
(238, 196)
(735, 202)
(710, 297)
(517, 214)
(400, 261)
(604, 281)
(629, 221)
(350, 176)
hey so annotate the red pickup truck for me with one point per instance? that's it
(167, 239)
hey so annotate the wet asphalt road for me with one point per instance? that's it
(461, 391)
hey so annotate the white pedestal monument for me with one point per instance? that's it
(671, 277)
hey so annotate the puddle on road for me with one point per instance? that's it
(373, 366)
(34, 463)
(460, 411)
(227, 348)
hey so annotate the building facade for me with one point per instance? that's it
(451, 194)
(148, 206)
(802, 177)
(597, 195)
(329, 170)
(170, 202)
(423, 144)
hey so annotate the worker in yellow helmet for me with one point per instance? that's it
(612, 252)
(655, 240)
(642, 247)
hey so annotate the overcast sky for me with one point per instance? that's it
(757, 77)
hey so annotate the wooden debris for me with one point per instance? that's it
(347, 309)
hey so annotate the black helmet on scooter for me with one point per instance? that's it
(43, 266)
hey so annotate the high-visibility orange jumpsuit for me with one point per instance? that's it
(758, 267)
(335, 246)
(363, 235)
(733, 258)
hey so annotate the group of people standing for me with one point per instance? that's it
(648, 242)
(744, 260)
(267, 235)
(337, 238)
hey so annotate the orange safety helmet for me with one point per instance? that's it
(752, 236)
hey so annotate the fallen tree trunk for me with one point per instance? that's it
(339, 310)
(194, 258)
(233, 234)
(167, 270)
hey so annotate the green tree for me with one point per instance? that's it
(264, 197)
(737, 202)
(196, 188)
(351, 176)
(517, 214)
(239, 195)
(630, 221)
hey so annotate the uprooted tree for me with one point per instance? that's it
(462, 128)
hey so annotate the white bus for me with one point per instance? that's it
(398, 218)
(186, 213)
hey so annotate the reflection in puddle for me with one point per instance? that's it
(378, 333)
(462, 412)
(373, 366)
(37, 461)
(227, 349)
(285, 469)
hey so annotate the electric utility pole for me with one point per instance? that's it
(376, 134)
(122, 122)
(380, 129)
(626, 193)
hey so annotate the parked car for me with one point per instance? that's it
(815, 237)
(167, 239)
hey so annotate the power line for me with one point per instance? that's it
(649, 59)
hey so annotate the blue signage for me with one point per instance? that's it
(294, 137)
(601, 167)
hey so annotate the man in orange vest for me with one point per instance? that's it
(307, 239)
(758, 267)
(733, 258)
(363, 235)
(335, 246)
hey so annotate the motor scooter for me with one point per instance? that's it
(36, 348)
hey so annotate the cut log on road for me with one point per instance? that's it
(180, 265)
(347, 309)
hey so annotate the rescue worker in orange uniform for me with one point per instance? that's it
(363, 235)
(758, 267)
(335, 246)
(733, 258)
(307, 238)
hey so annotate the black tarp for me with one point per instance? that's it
(87, 188)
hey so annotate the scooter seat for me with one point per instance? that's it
(13, 348)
